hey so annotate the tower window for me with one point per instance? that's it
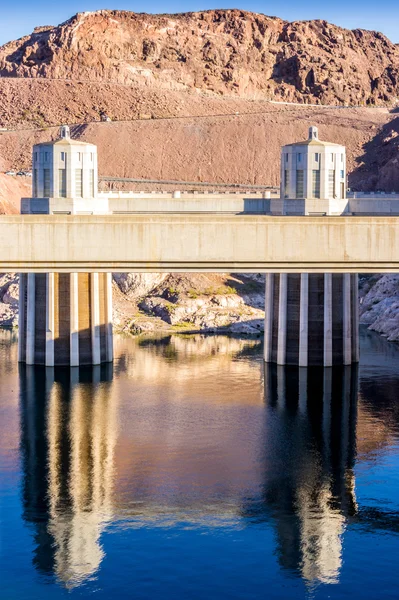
(35, 183)
(315, 183)
(331, 183)
(62, 156)
(79, 183)
(46, 156)
(286, 183)
(62, 183)
(286, 158)
(299, 184)
(299, 156)
(46, 183)
(316, 157)
(342, 174)
(91, 183)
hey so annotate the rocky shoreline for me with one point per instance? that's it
(379, 304)
(210, 303)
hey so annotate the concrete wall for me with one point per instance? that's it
(193, 203)
(240, 203)
(383, 205)
(309, 206)
(187, 243)
(69, 206)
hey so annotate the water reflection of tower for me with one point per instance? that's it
(69, 433)
(309, 480)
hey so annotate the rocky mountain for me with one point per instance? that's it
(193, 96)
(229, 52)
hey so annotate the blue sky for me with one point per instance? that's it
(19, 17)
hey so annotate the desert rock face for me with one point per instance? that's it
(220, 51)
(12, 189)
(222, 148)
(379, 304)
(193, 94)
(170, 302)
(9, 292)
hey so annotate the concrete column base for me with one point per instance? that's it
(311, 319)
(65, 319)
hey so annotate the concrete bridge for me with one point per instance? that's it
(69, 238)
(204, 243)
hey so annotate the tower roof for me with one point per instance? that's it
(313, 140)
(64, 139)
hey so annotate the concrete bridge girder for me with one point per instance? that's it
(188, 243)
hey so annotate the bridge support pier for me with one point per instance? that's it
(65, 319)
(311, 319)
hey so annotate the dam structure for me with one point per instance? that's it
(310, 240)
(65, 319)
(312, 319)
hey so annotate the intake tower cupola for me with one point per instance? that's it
(313, 176)
(65, 168)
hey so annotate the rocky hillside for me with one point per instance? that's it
(193, 94)
(190, 302)
(218, 51)
(226, 148)
(214, 303)
(12, 189)
(379, 304)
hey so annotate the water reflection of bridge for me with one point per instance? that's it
(68, 440)
(310, 487)
(299, 465)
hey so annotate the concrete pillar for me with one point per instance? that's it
(50, 320)
(346, 318)
(95, 318)
(267, 349)
(108, 318)
(304, 320)
(327, 354)
(313, 335)
(355, 317)
(21, 318)
(30, 320)
(74, 320)
(282, 320)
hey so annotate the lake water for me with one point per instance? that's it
(189, 471)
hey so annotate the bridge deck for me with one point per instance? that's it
(184, 242)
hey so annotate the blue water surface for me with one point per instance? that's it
(189, 470)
